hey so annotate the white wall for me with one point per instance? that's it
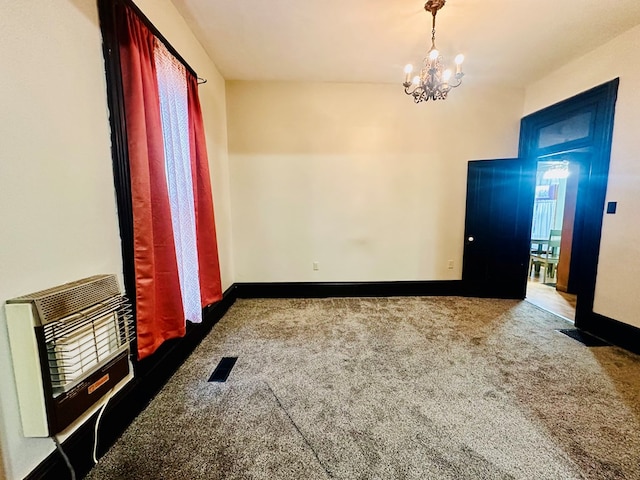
(57, 198)
(619, 262)
(357, 177)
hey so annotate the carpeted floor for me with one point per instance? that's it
(398, 388)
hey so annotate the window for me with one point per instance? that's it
(162, 177)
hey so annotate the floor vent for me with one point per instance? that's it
(584, 338)
(222, 371)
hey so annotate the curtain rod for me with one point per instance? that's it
(161, 37)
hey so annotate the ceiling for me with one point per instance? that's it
(513, 42)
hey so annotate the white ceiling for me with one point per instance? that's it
(511, 41)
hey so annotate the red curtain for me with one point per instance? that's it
(208, 264)
(159, 312)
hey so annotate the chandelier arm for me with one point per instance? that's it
(456, 84)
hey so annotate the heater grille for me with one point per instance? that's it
(59, 302)
(79, 344)
(70, 348)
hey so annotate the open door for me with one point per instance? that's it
(497, 228)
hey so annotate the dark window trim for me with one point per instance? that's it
(119, 149)
(571, 145)
(111, 5)
(119, 143)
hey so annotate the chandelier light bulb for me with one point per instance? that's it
(459, 60)
(407, 73)
(434, 81)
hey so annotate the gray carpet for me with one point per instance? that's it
(398, 388)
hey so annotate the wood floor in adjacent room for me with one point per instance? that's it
(546, 296)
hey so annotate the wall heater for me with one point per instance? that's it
(70, 349)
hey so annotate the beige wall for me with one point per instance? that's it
(356, 177)
(2, 469)
(56, 185)
(619, 262)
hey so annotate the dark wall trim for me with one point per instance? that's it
(111, 4)
(150, 376)
(119, 145)
(348, 289)
(613, 331)
(153, 372)
(119, 142)
(600, 101)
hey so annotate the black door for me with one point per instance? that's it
(497, 228)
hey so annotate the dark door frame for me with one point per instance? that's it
(600, 102)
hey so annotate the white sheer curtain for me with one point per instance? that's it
(172, 84)
(543, 215)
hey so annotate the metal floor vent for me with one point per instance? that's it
(585, 338)
(222, 371)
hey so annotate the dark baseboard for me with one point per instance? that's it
(348, 289)
(613, 331)
(150, 376)
(154, 372)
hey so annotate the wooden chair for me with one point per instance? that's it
(547, 255)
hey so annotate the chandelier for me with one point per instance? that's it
(433, 82)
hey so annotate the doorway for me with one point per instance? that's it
(500, 199)
(577, 130)
(552, 229)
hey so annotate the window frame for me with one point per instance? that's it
(119, 150)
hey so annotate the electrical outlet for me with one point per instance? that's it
(450, 264)
(316, 266)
